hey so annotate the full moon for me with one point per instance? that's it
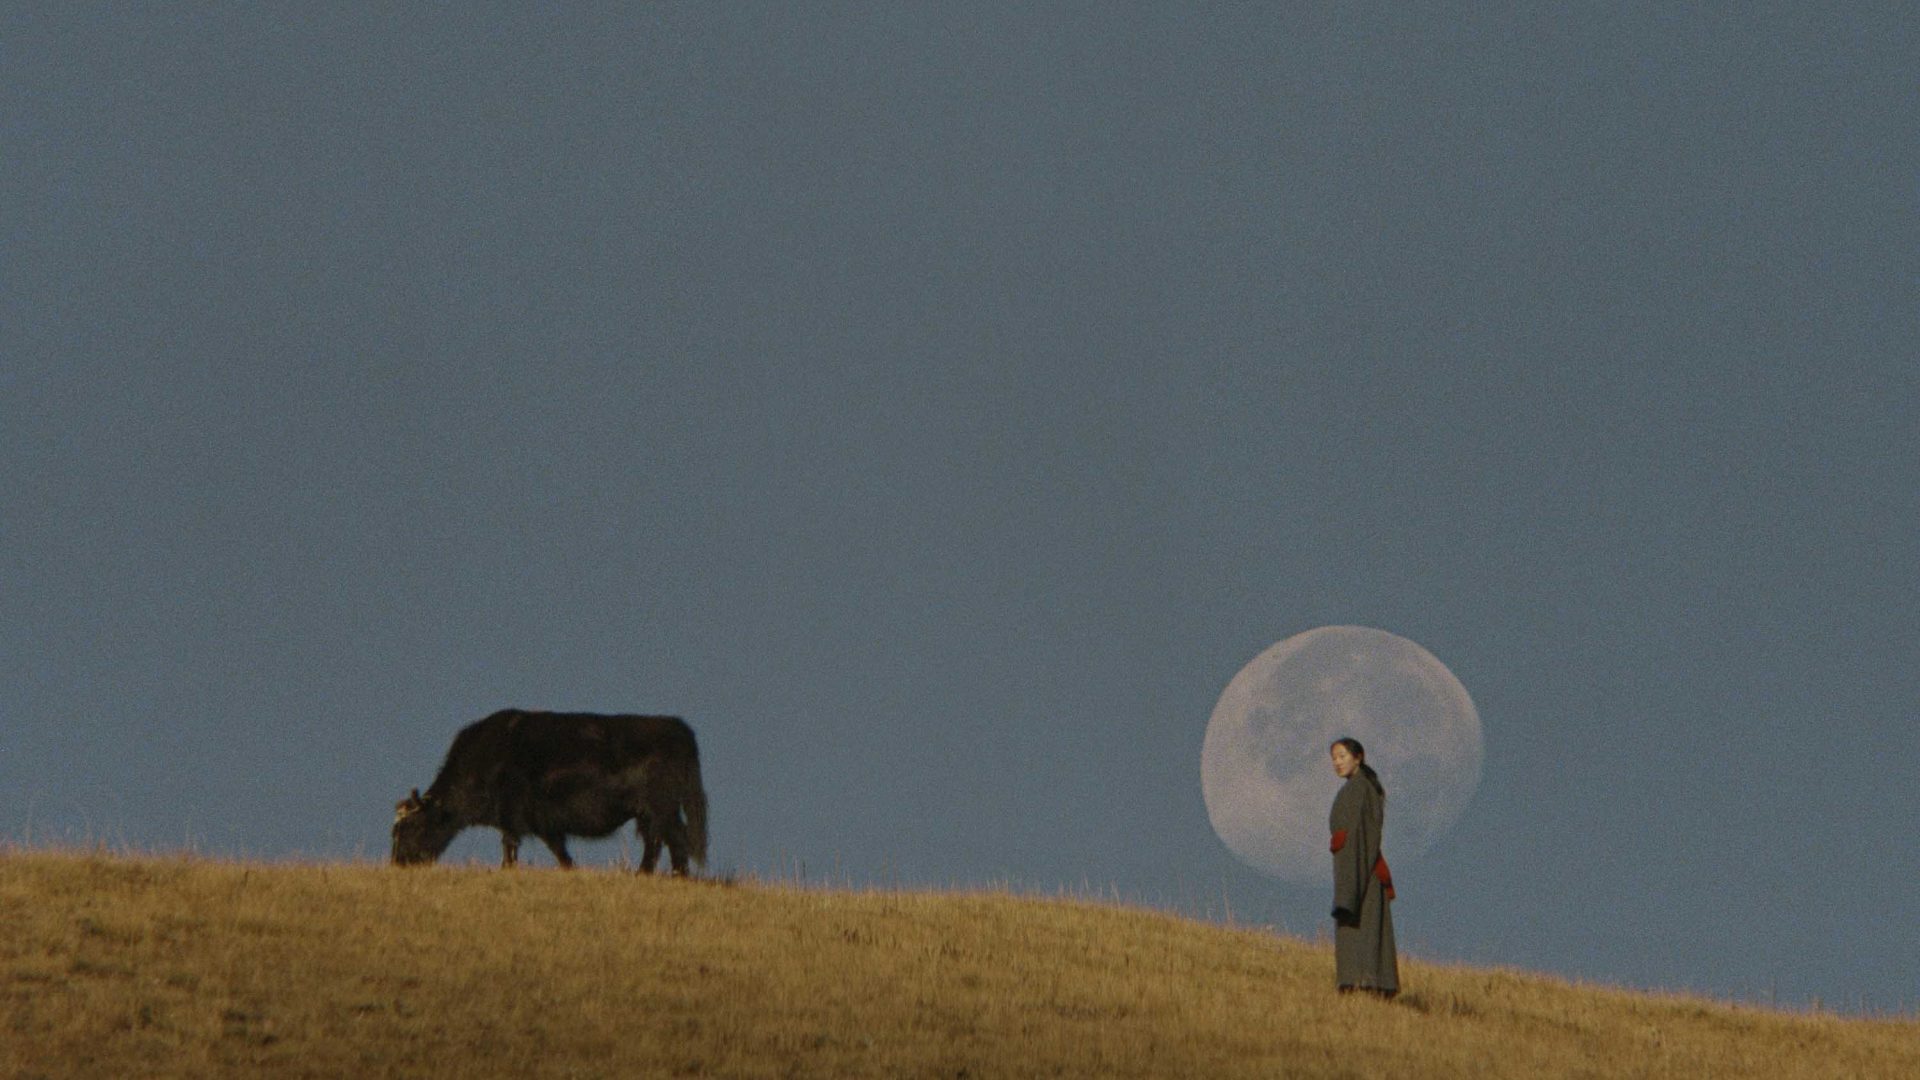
(1264, 768)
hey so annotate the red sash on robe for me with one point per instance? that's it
(1339, 840)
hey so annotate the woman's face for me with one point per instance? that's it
(1343, 761)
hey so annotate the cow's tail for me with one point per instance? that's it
(693, 803)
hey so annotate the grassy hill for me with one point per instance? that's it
(184, 967)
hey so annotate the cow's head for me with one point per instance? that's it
(422, 829)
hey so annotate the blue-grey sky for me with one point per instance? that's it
(939, 404)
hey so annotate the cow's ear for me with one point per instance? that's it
(415, 797)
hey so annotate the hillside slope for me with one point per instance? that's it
(180, 967)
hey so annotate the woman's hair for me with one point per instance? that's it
(1360, 754)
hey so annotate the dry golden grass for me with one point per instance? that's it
(121, 966)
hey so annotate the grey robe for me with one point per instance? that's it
(1363, 941)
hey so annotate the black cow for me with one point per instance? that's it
(555, 775)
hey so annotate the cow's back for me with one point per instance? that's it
(513, 744)
(542, 741)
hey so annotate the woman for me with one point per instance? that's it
(1363, 926)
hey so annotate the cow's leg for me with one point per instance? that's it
(675, 835)
(557, 843)
(509, 850)
(650, 839)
